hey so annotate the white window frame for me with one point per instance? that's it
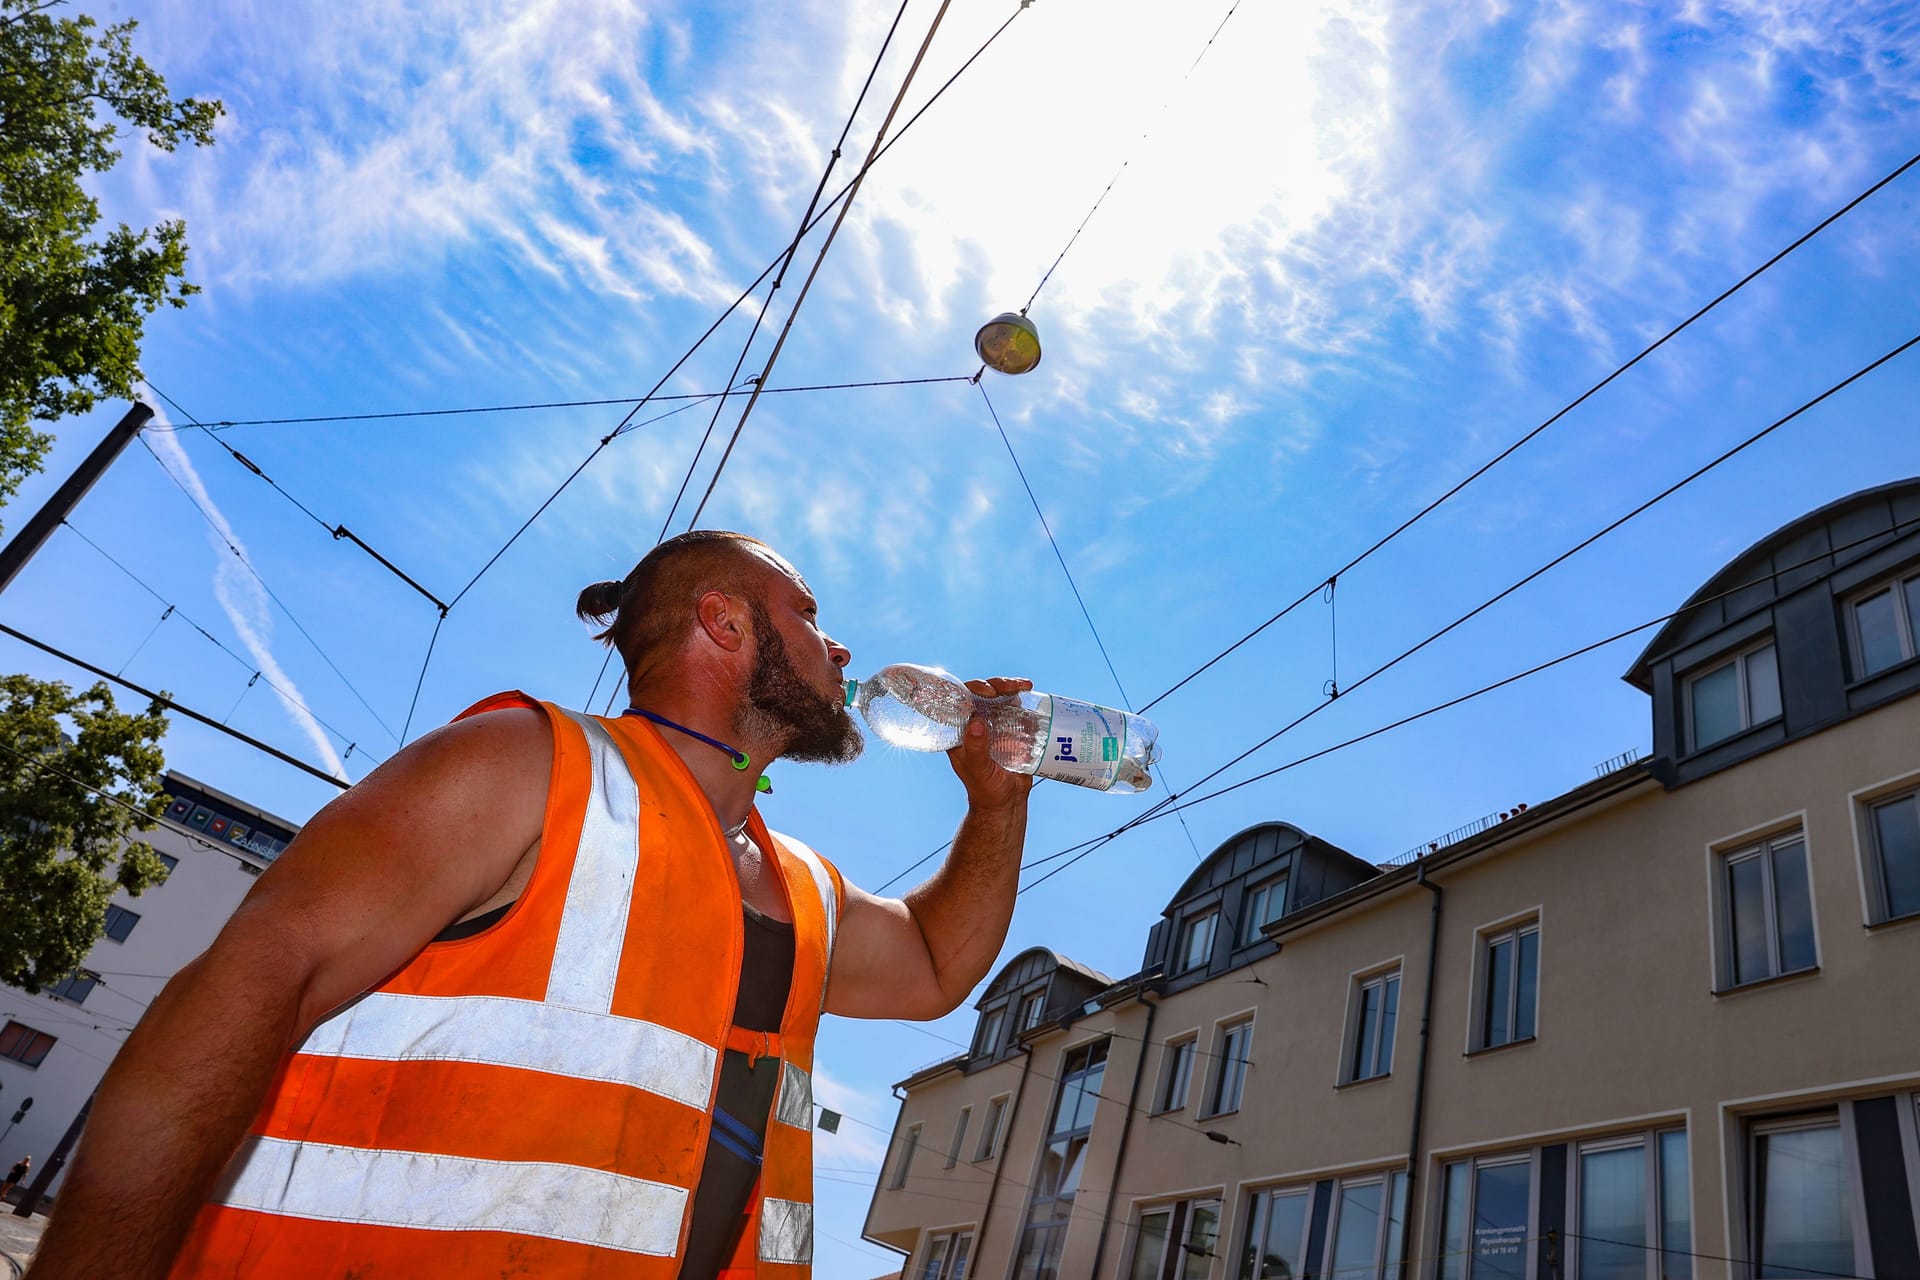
(1652, 1209)
(1897, 585)
(1032, 1005)
(990, 1135)
(1188, 927)
(1180, 1212)
(1251, 926)
(1866, 841)
(1831, 1116)
(1259, 1209)
(1223, 1063)
(1485, 937)
(904, 1166)
(1389, 1181)
(1530, 1158)
(1175, 1085)
(1738, 661)
(959, 1136)
(1760, 841)
(993, 1024)
(1358, 984)
(951, 1237)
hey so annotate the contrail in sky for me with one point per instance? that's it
(241, 596)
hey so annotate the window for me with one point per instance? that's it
(947, 1256)
(1632, 1220)
(1886, 625)
(1030, 1007)
(1277, 1235)
(1737, 694)
(1893, 837)
(76, 986)
(1264, 904)
(1370, 1040)
(1230, 1068)
(990, 1131)
(959, 1136)
(1176, 1241)
(1057, 1181)
(24, 1045)
(169, 860)
(1196, 941)
(120, 922)
(1495, 1195)
(991, 1022)
(1509, 985)
(1369, 1217)
(1801, 1208)
(1176, 1073)
(907, 1148)
(1768, 917)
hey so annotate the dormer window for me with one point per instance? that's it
(1265, 903)
(1030, 1007)
(1196, 941)
(991, 1023)
(1732, 696)
(1886, 625)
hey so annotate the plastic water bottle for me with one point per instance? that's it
(927, 709)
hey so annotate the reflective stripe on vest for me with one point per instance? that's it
(452, 1193)
(786, 1231)
(586, 956)
(520, 1033)
(795, 1104)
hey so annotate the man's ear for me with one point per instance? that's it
(723, 618)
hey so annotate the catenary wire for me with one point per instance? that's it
(1898, 529)
(174, 609)
(226, 424)
(780, 276)
(337, 531)
(840, 218)
(163, 700)
(748, 291)
(1507, 452)
(271, 594)
(1101, 198)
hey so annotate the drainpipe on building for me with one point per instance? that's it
(1420, 1075)
(1126, 1128)
(1006, 1140)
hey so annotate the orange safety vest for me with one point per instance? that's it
(536, 1099)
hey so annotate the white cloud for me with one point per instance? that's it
(241, 596)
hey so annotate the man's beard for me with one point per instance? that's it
(779, 700)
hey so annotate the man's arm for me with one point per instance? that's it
(918, 956)
(348, 903)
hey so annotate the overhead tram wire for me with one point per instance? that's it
(759, 315)
(560, 404)
(352, 744)
(169, 703)
(337, 531)
(846, 204)
(1507, 452)
(1165, 806)
(747, 292)
(271, 594)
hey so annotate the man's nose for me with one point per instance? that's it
(839, 654)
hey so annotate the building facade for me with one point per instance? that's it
(1656, 1028)
(55, 1046)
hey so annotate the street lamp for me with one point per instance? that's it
(1008, 343)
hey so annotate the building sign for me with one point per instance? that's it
(211, 817)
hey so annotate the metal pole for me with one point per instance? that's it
(43, 1177)
(20, 549)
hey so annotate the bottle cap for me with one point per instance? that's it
(853, 687)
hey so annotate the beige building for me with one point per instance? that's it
(1660, 1027)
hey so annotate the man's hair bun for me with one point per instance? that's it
(599, 602)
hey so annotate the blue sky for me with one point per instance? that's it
(1354, 252)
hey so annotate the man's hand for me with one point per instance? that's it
(989, 786)
(918, 956)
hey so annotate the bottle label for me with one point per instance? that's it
(1085, 744)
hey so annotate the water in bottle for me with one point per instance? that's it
(927, 709)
